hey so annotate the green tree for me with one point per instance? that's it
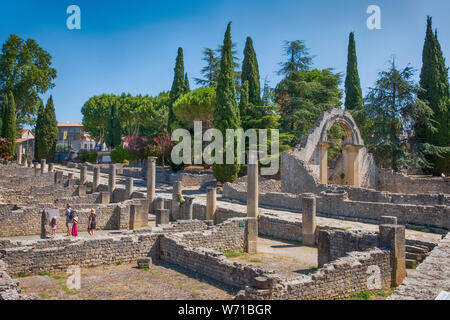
(25, 70)
(298, 58)
(250, 73)
(353, 93)
(435, 85)
(96, 113)
(113, 128)
(391, 104)
(4, 106)
(226, 111)
(197, 105)
(267, 96)
(9, 129)
(178, 89)
(187, 87)
(303, 96)
(210, 72)
(46, 132)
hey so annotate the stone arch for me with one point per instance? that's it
(352, 144)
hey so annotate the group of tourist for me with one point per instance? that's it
(72, 222)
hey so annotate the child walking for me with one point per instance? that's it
(92, 222)
(53, 224)
(75, 227)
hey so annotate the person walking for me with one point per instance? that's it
(53, 225)
(75, 227)
(69, 218)
(92, 222)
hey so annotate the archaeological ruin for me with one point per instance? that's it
(363, 228)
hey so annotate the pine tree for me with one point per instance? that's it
(187, 87)
(250, 73)
(178, 89)
(9, 123)
(353, 93)
(211, 70)
(113, 128)
(435, 85)
(226, 111)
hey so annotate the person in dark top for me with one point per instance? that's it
(92, 222)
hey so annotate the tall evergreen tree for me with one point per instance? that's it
(435, 85)
(244, 101)
(46, 132)
(4, 106)
(178, 89)
(353, 93)
(298, 58)
(211, 70)
(38, 135)
(9, 123)
(226, 111)
(187, 87)
(250, 73)
(113, 128)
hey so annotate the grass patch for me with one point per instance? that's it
(118, 263)
(45, 273)
(257, 260)
(313, 269)
(145, 269)
(70, 291)
(57, 277)
(232, 254)
(411, 267)
(363, 295)
(347, 228)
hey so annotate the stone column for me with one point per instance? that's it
(35, 164)
(129, 188)
(211, 194)
(51, 167)
(37, 172)
(392, 237)
(151, 178)
(324, 162)
(83, 175)
(43, 164)
(251, 235)
(353, 164)
(162, 216)
(58, 176)
(189, 208)
(96, 179)
(309, 219)
(252, 185)
(30, 163)
(112, 178)
(19, 155)
(176, 193)
(44, 223)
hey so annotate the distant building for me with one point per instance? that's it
(26, 142)
(71, 136)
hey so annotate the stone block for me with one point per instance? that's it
(105, 198)
(162, 216)
(144, 263)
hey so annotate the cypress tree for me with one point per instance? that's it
(3, 112)
(46, 134)
(113, 128)
(434, 82)
(9, 123)
(187, 87)
(244, 101)
(178, 89)
(250, 73)
(38, 135)
(353, 93)
(226, 111)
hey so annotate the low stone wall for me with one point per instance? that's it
(9, 288)
(402, 183)
(430, 277)
(341, 279)
(336, 205)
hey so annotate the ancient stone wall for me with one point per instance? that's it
(402, 183)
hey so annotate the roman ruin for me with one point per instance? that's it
(345, 229)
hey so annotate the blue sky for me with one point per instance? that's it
(130, 46)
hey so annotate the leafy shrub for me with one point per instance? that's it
(89, 156)
(119, 155)
(226, 172)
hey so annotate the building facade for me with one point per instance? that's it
(72, 137)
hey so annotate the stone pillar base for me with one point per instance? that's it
(251, 236)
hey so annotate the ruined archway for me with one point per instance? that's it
(305, 167)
